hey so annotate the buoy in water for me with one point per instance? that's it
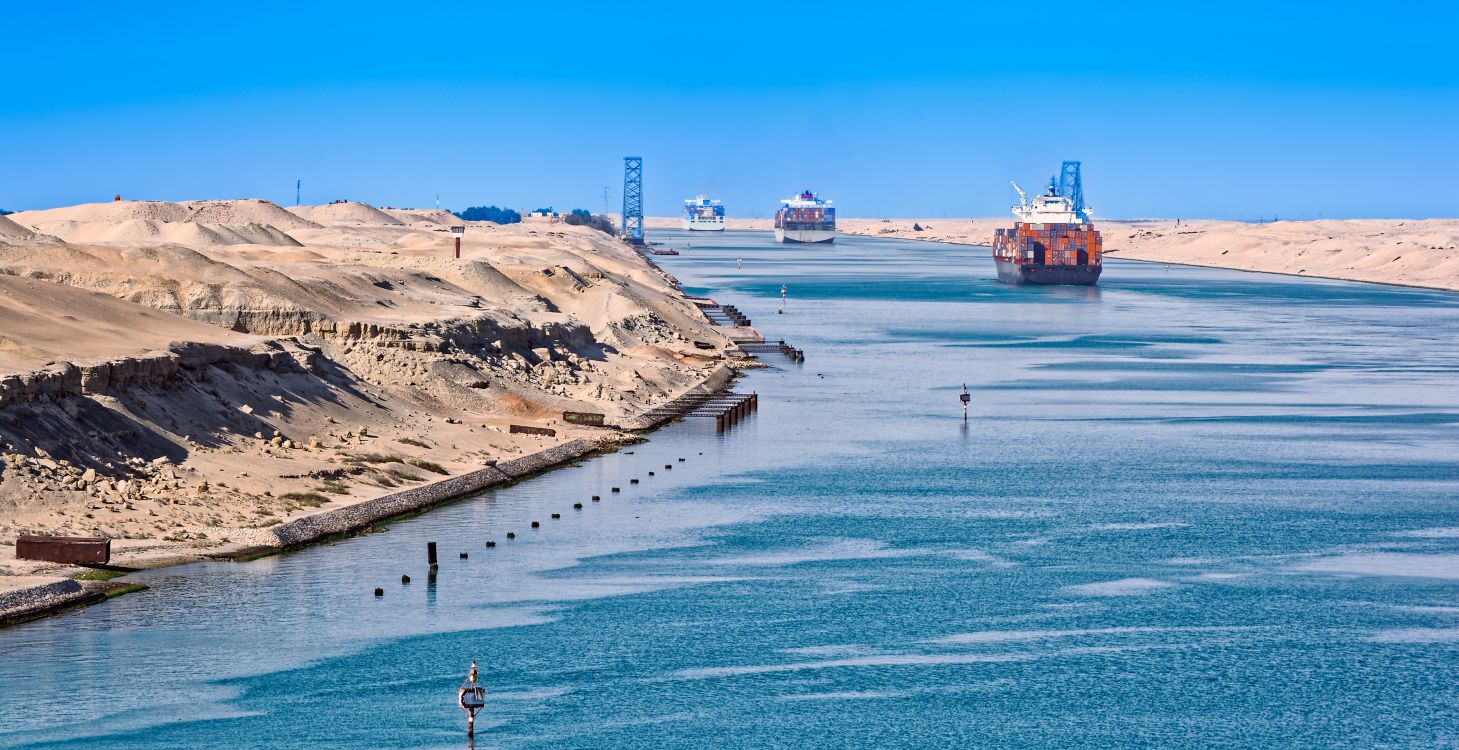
(577, 506)
(379, 592)
(404, 579)
(535, 524)
(471, 697)
(511, 535)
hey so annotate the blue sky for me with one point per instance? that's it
(1227, 110)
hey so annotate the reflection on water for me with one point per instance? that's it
(1189, 508)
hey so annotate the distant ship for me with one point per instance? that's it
(805, 218)
(704, 215)
(1053, 241)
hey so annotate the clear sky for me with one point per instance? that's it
(1216, 109)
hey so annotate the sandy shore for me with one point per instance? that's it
(191, 379)
(1421, 253)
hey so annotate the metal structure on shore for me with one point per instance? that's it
(633, 200)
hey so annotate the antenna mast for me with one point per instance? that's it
(298, 189)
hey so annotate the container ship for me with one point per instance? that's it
(704, 215)
(1053, 241)
(805, 218)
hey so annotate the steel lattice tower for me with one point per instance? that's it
(633, 199)
(1071, 186)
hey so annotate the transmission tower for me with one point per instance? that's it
(1071, 187)
(633, 200)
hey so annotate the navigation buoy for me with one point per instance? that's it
(471, 697)
(965, 397)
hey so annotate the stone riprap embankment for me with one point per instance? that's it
(358, 516)
(42, 596)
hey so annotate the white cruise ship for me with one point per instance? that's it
(703, 215)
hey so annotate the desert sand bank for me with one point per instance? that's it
(1408, 252)
(1423, 253)
(190, 378)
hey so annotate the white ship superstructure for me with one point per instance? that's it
(805, 218)
(703, 215)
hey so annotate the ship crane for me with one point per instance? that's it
(1022, 199)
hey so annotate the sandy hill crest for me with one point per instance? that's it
(249, 211)
(10, 229)
(425, 216)
(344, 213)
(194, 224)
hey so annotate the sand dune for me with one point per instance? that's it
(194, 224)
(180, 373)
(344, 213)
(425, 216)
(42, 323)
(9, 230)
(251, 211)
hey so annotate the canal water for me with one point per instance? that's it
(1189, 508)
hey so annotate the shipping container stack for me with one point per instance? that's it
(806, 218)
(1049, 244)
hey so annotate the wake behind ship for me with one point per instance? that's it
(703, 215)
(805, 218)
(1054, 241)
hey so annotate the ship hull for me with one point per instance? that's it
(704, 226)
(805, 235)
(1014, 273)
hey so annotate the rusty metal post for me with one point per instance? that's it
(458, 248)
(431, 553)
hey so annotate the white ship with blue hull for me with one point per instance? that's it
(703, 215)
